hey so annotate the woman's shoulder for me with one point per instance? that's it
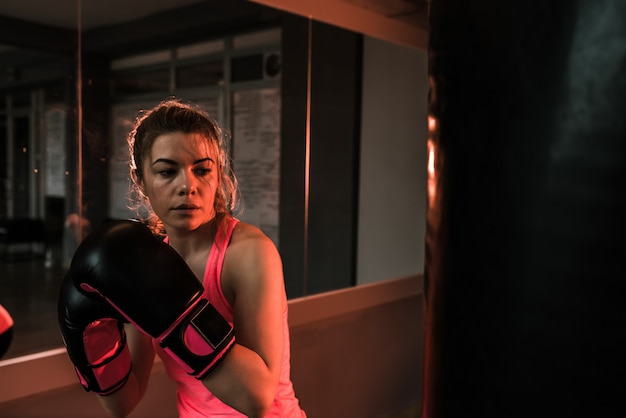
(250, 260)
(248, 238)
(244, 231)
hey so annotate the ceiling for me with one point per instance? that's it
(409, 11)
(98, 13)
(32, 29)
(95, 13)
(127, 25)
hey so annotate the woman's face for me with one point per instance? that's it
(180, 179)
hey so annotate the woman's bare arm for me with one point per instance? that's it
(120, 403)
(247, 378)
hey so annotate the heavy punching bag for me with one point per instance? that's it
(526, 240)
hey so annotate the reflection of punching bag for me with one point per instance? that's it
(526, 241)
(6, 330)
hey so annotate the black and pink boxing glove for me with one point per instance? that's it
(6, 330)
(93, 334)
(150, 284)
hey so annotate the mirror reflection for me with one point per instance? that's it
(36, 110)
(287, 88)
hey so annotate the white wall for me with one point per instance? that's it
(392, 195)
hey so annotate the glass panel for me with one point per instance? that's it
(37, 119)
(55, 134)
(199, 74)
(141, 82)
(247, 68)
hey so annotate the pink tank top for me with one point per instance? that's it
(195, 400)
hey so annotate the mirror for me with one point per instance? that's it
(36, 108)
(64, 169)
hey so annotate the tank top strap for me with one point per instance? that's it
(213, 273)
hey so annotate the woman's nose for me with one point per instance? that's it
(187, 185)
(187, 190)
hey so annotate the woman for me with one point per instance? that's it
(179, 164)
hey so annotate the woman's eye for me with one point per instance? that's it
(166, 173)
(202, 171)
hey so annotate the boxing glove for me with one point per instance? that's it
(93, 334)
(150, 284)
(6, 330)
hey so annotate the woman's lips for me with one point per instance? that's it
(186, 208)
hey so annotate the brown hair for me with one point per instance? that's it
(172, 115)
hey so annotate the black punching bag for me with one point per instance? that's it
(525, 275)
